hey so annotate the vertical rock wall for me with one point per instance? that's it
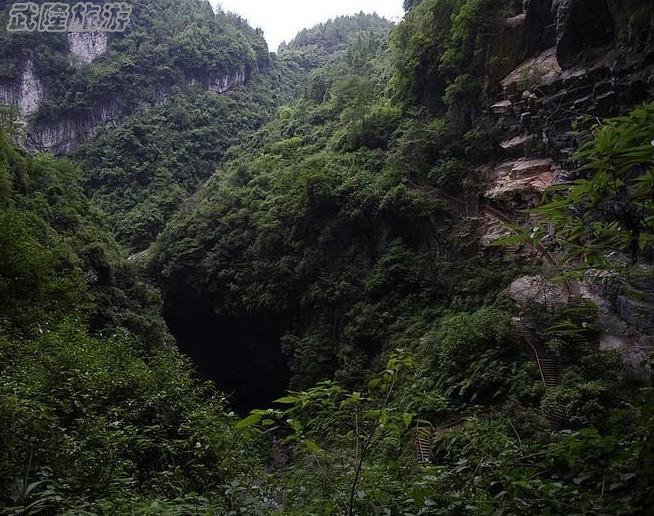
(87, 46)
(26, 93)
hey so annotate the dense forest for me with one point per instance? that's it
(391, 269)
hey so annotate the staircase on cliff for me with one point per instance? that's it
(424, 436)
(549, 366)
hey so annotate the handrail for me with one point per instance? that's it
(538, 361)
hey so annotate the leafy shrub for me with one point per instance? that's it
(473, 355)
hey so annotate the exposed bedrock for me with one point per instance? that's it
(590, 59)
(87, 46)
(63, 133)
(26, 93)
(583, 27)
(625, 317)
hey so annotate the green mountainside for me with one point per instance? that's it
(390, 270)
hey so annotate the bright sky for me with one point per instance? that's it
(281, 20)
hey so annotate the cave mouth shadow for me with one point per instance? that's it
(242, 356)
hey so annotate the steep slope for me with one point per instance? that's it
(234, 335)
(437, 245)
(98, 411)
(68, 90)
(165, 100)
(180, 73)
(358, 222)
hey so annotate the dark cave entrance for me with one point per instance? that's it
(241, 355)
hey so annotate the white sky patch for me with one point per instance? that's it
(281, 20)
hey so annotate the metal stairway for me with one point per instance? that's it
(549, 367)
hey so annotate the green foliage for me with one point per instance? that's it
(292, 221)
(337, 34)
(167, 42)
(88, 419)
(610, 209)
(313, 222)
(141, 172)
(362, 425)
(97, 413)
(440, 53)
(41, 216)
(474, 355)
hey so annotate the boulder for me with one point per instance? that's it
(538, 71)
(537, 290)
(635, 352)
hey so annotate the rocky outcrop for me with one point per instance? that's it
(596, 61)
(635, 351)
(63, 134)
(583, 28)
(86, 47)
(218, 83)
(537, 290)
(26, 93)
(510, 48)
(580, 57)
(638, 313)
(541, 27)
(524, 177)
(542, 100)
(627, 329)
(492, 230)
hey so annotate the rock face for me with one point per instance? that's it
(582, 58)
(510, 46)
(582, 26)
(87, 46)
(541, 27)
(219, 83)
(525, 177)
(26, 94)
(537, 290)
(65, 133)
(637, 313)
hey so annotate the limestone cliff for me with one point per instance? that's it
(67, 86)
(87, 46)
(26, 93)
(64, 133)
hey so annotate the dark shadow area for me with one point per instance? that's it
(242, 356)
(585, 28)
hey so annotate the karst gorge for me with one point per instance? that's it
(391, 268)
